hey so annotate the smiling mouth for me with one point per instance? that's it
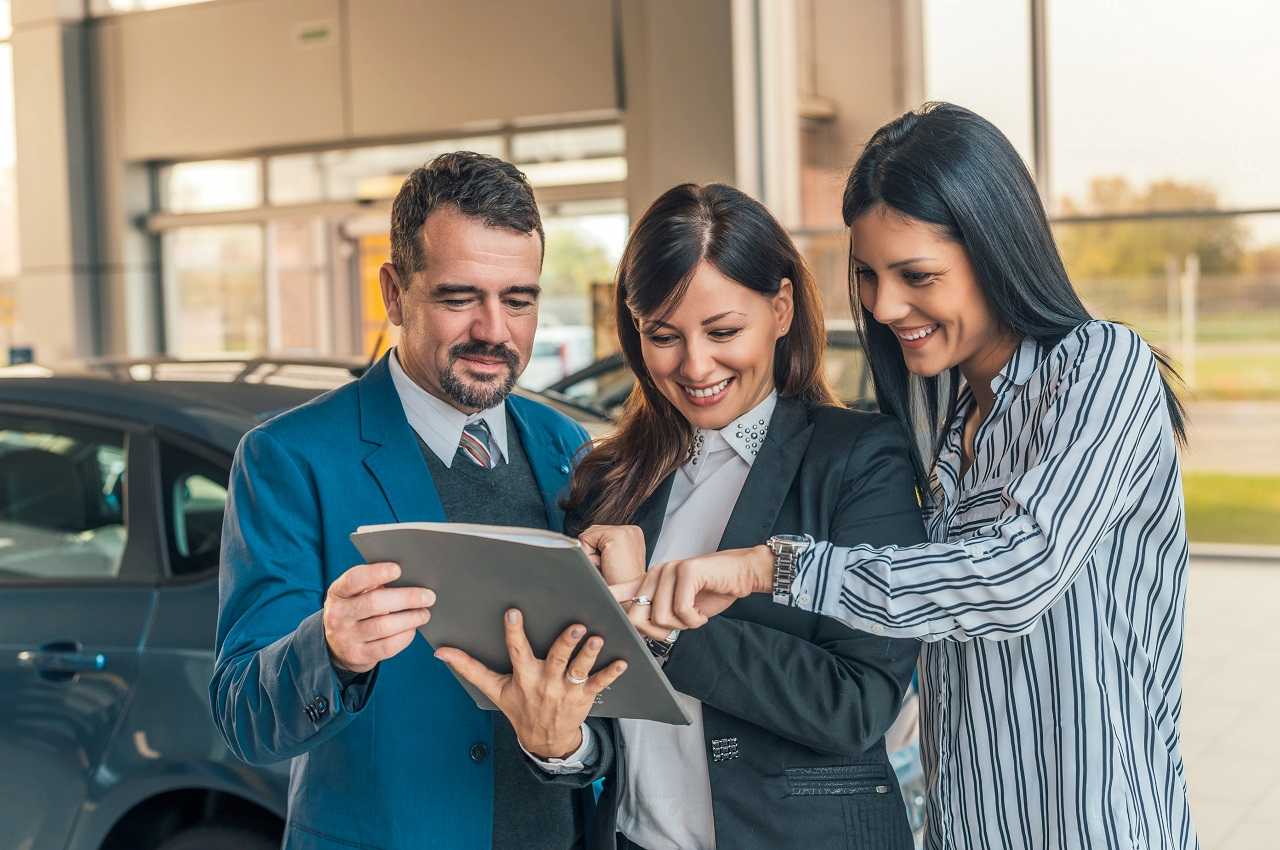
(707, 392)
(916, 334)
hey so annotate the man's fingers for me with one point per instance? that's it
(517, 642)
(363, 578)
(488, 682)
(380, 650)
(585, 660)
(558, 655)
(376, 628)
(389, 600)
(605, 677)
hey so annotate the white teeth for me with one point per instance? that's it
(920, 334)
(709, 391)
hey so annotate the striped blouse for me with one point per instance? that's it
(1052, 600)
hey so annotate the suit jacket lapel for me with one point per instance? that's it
(395, 460)
(550, 462)
(756, 510)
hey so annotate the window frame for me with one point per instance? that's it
(203, 451)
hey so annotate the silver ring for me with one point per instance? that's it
(641, 600)
(671, 638)
(574, 680)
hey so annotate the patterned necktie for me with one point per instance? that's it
(475, 444)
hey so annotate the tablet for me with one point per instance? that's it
(479, 571)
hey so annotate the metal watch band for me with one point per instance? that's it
(786, 557)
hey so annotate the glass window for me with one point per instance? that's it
(210, 186)
(584, 244)
(571, 156)
(370, 173)
(195, 491)
(1152, 91)
(978, 55)
(297, 286)
(8, 169)
(1205, 289)
(61, 499)
(215, 300)
(102, 8)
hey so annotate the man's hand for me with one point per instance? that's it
(686, 594)
(617, 550)
(544, 706)
(366, 622)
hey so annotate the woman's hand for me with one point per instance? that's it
(617, 550)
(539, 697)
(686, 594)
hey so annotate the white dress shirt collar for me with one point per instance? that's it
(744, 435)
(439, 423)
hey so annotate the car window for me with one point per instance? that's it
(606, 391)
(195, 489)
(61, 499)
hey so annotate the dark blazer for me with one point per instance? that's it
(795, 705)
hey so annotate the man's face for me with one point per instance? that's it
(467, 321)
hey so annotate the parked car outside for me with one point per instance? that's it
(113, 480)
(558, 350)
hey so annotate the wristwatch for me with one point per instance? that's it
(661, 649)
(787, 549)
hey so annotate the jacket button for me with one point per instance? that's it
(321, 706)
(478, 752)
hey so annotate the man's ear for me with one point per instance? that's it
(784, 307)
(390, 282)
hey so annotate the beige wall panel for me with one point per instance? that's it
(421, 66)
(680, 97)
(44, 216)
(231, 76)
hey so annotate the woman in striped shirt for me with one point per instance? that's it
(1052, 595)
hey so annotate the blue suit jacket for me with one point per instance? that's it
(389, 763)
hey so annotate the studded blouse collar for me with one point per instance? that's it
(744, 435)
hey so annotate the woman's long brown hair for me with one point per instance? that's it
(687, 225)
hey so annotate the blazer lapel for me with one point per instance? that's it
(550, 463)
(395, 461)
(756, 510)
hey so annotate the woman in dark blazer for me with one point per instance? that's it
(733, 436)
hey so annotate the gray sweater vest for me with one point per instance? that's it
(527, 814)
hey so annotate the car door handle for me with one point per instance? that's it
(61, 660)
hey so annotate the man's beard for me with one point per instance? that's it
(480, 393)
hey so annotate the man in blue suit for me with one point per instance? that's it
(317, 660)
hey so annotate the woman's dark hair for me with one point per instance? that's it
(950, 167)
(688, 225)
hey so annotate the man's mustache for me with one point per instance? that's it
(479, 349)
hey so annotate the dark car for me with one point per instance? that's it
(113, 479)
(605, 384)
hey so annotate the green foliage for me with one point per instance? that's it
(1141, 248)
(1232, 508)
(574, 261)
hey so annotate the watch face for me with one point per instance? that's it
(796, 541)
